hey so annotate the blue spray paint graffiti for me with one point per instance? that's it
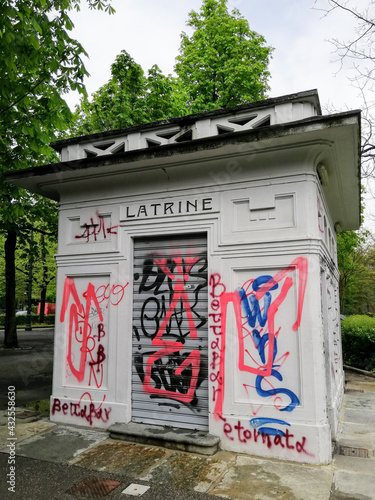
(254, 313)
(257, 423)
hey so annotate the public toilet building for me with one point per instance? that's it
(197, 284)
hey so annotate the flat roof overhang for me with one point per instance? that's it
(341, 132)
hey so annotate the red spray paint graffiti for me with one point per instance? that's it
(257, 323)
(86, 412)
(78, 319)
(81, 335)
(283, 440)
(217, 364)
(236, 299)
(96, 229)
(169, 347)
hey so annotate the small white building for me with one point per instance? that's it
(197, 281)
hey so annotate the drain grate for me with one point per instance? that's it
(93, 488)
(349, 451)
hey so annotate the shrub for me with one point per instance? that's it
(358, 342)
(49, 320)
(21, 320)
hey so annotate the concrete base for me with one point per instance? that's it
(169, 437)
(58, 459)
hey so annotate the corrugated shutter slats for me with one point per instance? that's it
(170, 336)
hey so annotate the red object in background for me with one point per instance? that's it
(48, 308)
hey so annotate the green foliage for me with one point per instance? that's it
(40, 254)
(356, 262)
(165, 96)
(40, 63)
(129, 98)
(115, 104)
(348, 244)
(223, 63)
(358, 342)
(42, 406)
(21, 320)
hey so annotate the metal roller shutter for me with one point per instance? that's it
(170, 332)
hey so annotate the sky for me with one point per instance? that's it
(149, 30)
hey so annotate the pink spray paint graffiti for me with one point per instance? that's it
(170, 325)
(255, 307)
(85, 314)
(168, 347)
(79, 324)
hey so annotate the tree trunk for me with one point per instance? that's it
(43, 292)
(10, 334)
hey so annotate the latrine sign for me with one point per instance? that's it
(161, 208)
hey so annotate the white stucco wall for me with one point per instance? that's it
(264, 215)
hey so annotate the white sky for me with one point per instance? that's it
(149, 30)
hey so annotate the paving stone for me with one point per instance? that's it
(254, 479)
(60, 444)
(351, 486)
(354, 464)
(360, 382)
(119, 457)
(24, 431)
(360, 401)
(359, 416)
(188, 471)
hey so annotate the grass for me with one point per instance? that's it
(41, 406)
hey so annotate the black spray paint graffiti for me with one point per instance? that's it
(171, 322)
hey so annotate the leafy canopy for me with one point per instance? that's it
(223, 63)
(130, 98)
(40, 63)
(356, 262)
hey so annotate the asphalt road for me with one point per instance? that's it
(29, 368)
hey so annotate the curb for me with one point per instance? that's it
(357, 370)
(33, 327)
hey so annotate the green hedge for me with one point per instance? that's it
(358, 342)
(21, 320)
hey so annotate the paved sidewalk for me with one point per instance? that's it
(67, 462)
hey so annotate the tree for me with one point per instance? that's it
(41, 250)
(223, 63)
(350, 266)
(47, 271)
(116, 104)
(358, 51)
(38, 251)
(165, 96)
(356, 263)
(39, 64)
(130, 98)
